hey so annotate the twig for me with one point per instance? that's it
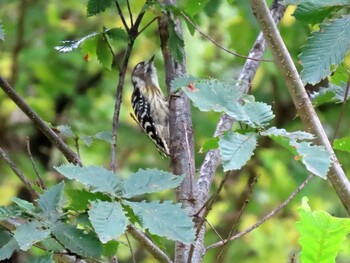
(218, 44)
(41, 182)
(300, 98)
(19, 174)
(342, 110)
(148, 24)
(76, 144)
(216, 232)
(122, 17)
(43, 127)
(130, 14)
(265, 218)
(130, 247)
(148, 244)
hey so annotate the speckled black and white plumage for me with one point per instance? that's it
(149, 104)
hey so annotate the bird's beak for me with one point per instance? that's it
(151, 60)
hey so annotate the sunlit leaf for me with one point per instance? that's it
(342, 144)
(97, 6)
(104, 53)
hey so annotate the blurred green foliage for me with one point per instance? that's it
(65, 89)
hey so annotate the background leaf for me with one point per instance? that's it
(236, 149)
(342, 144)
(97, 6)
(108, 220)
(164, 219)
(28, 234)
(104, 136)
(149, 181)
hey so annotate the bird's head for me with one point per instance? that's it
(145, 74)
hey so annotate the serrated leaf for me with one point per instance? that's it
(325, 48)
(117, 34)
(164, 219)
(108, 220)
(43, 259)
(315, 158)
(7, 249)
(149, 181)
(86, 245)
(65, 130)
(236, 149)
(2, 32)
(315, 11)
(181, 82)
(105, 136)
(88, 47)
(104, 54)
(50, 200)
(97, 6)
(7, 212)
(342, 144)
(96, 177)
(80, 199)
(321, 235)
(110, 248)
(88, 140)
(176, 43)
(70, 45)
(30, 233)
(24, 205)
(292, 136)
(256, 114)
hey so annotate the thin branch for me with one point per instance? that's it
(130, 13)
(148, 244)
(43, 127)
(148, 24)
(130, 247)
(342, 110)
(122, 16)
(216, 232)
(300, 98)
(265, 218)
(218, 44)
(41, 182)
(18, 172)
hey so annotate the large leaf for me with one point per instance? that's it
(50, 200)
(255, 114)
(324, 49)
(30, 233)
(321, 235)
(97, 6)
(8, 245)
(86, 245)
(104, 54)
(108, 220)
(315, 11)
(236, 149)
(315, 158)
(96, 177)
(24, 205)
(164, 219)
(149, 181)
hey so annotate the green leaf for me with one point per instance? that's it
(30, 233)
(321, 235)
(70, 45)
(50, 200)
(165, 219)
(88, 46)
(315, 158)
(292, 136)
(324, 49)
(7, 212)
(333, 93)
(24, 205)
(192, 7)
(236, 149)
(80, 199)
(88, 140)
(105, 136)
(342, 144)
(181, 82)
(86, 245)
(97, 6)
(110, 248)
(255, 114)
(2, 32)
(108, 220)
(104, 54)
(117, 34)
(315, 11)
(149, 181)
(176, 43)
(8, 244)
(210, 144)
(50, 244)
(96, 177)
(43, 259)
(66, 131)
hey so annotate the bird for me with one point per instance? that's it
(150, 105)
